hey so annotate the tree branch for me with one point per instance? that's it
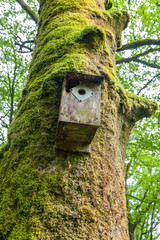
(152, 222)
(8, 72)
(148, 83)
(129, 195)
(139, 43)
(27, 8)
(28, 41)
(127, 60)
(23, 46)
(152, 65)
(142, 200)
(23, 51)
(4, 124)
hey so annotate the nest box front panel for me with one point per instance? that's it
(81, 104)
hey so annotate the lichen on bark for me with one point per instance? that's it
(57, 195)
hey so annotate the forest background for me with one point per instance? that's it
(138, 68)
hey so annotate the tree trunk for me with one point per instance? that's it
(131, 230)
(47, 194)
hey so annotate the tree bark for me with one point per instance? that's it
(131, 230)
(48, 194)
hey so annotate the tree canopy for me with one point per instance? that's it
(138, 68)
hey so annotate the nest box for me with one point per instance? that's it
(79, 115)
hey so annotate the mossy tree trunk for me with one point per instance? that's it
(56, 195)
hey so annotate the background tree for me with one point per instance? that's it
(17, 33)
(138, 68)
(131, 86)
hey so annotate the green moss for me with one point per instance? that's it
(89, 213)
(90, 33)
(26, 194)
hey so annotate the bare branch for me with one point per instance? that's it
(142, 200)
(127, 60)
(4, 124)
(148, 83)
(129, 195)
(140, 43)
(23, 51)
(27, 8)
(157, 236)
(152, 65)
(28, 41)
(23, 46)
(8, 72)
(12, 93)
(4, 116)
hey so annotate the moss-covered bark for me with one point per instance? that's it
(55, 195)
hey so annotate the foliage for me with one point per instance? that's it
(143, 195)
(142, 164)
(139, 74)
(15, 29)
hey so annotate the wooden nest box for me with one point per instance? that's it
(79, 115)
